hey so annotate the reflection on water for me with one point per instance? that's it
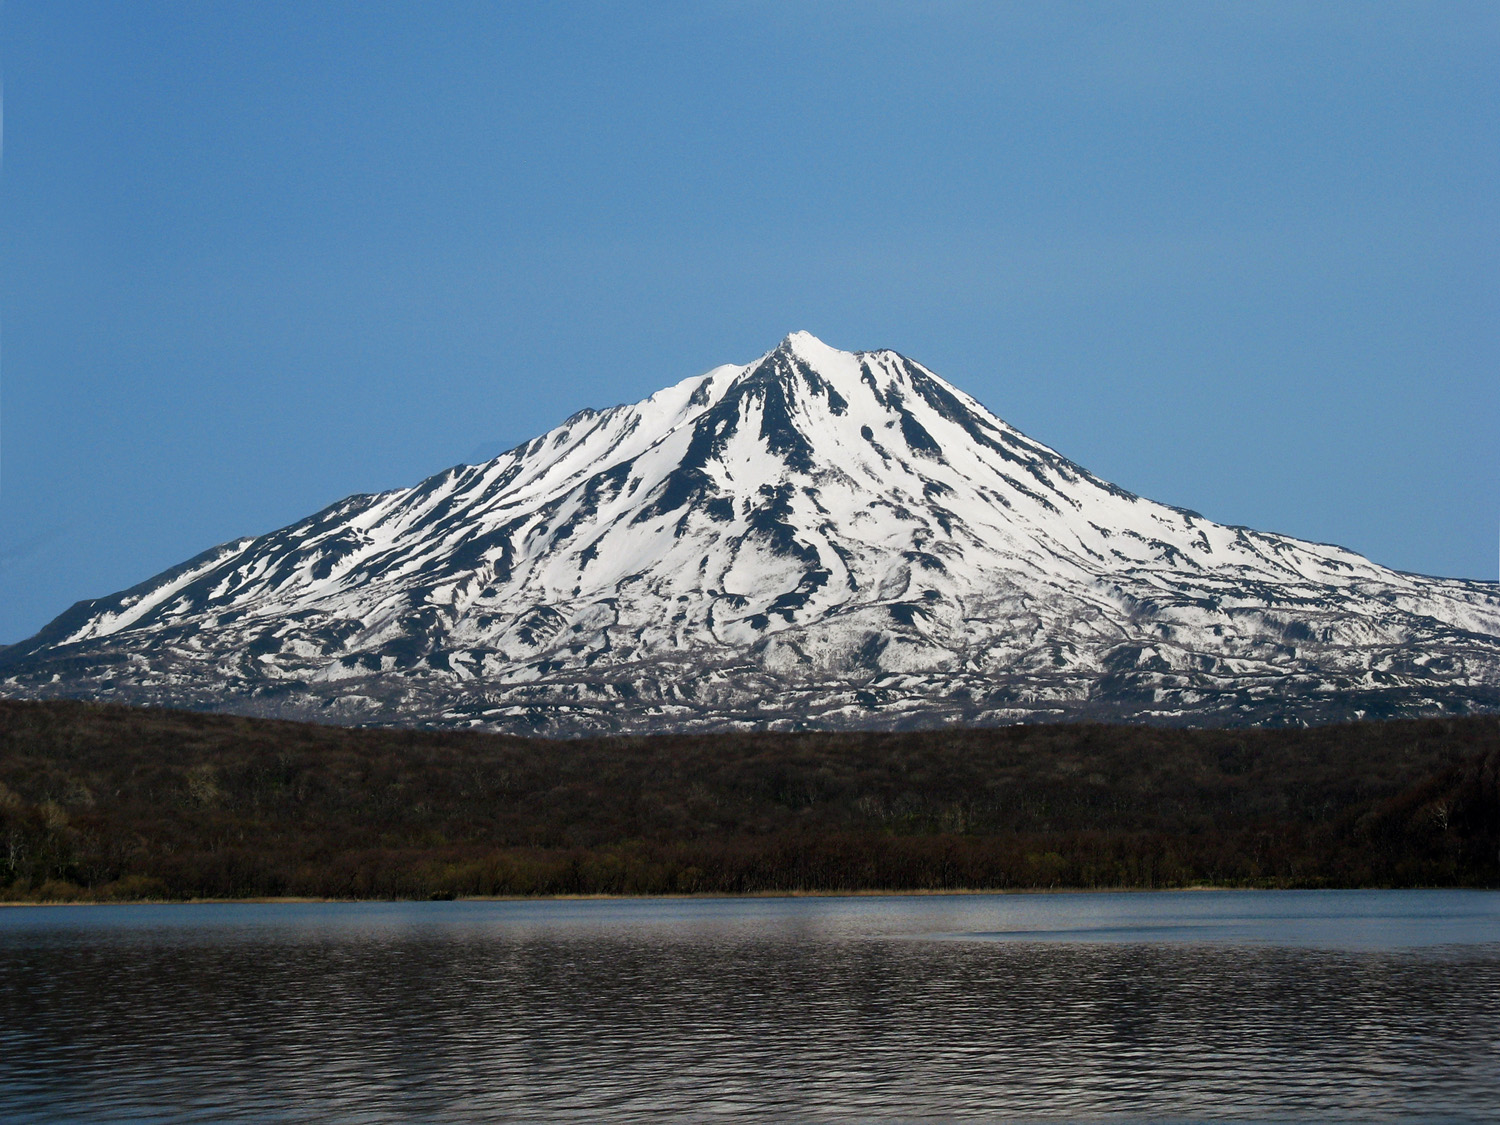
(1357, 1005)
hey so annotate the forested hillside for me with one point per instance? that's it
(109, 802)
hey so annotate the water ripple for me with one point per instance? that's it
(778, 1010)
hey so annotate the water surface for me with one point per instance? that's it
(1251, 1006)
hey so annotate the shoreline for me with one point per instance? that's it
(959, 892)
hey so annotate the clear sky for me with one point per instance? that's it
(1238, 257)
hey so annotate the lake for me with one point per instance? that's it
(1190, 1006)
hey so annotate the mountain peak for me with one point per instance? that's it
(802, 358)
(808, 348)
(801, 337)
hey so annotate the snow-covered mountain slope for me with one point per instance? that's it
(819, 538)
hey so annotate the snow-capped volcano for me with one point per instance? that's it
(818, 538)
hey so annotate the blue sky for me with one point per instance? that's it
(1236, 257)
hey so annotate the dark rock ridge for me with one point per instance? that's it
(818, 539)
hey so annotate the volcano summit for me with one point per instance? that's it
(816, 539)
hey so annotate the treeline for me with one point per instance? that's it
(113, 803)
